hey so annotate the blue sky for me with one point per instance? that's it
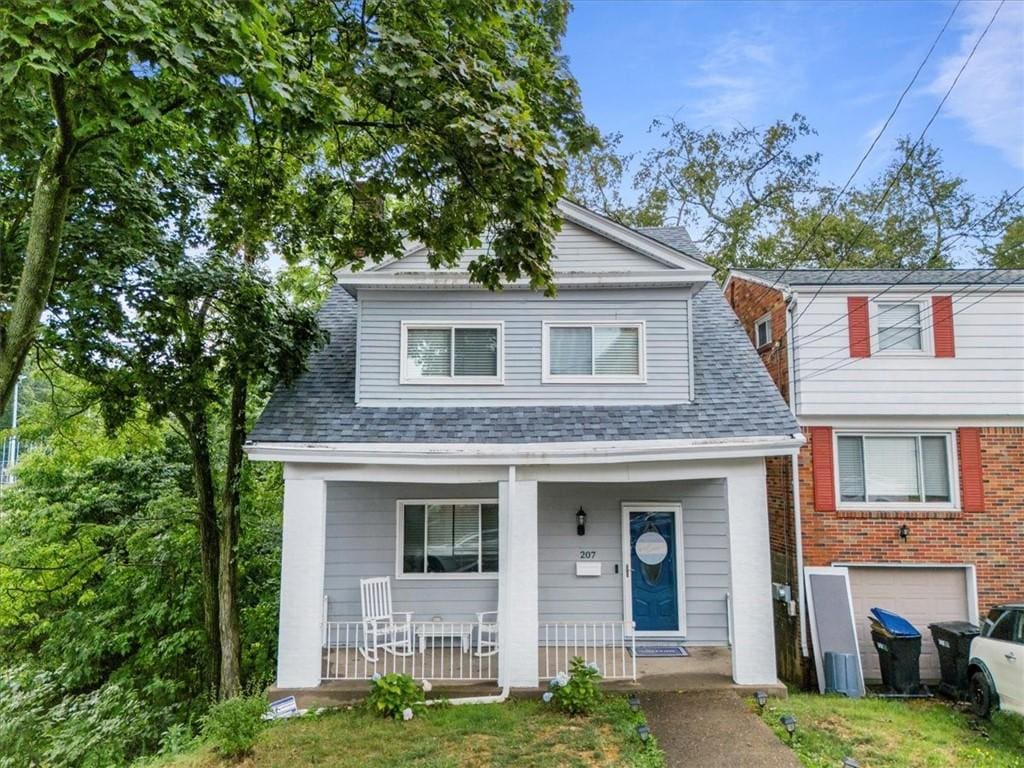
(842, 64)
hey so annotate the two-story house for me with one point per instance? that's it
(531, 478)
(909, 386)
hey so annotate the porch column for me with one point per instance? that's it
(753, 631)
(302, 582)
(517, 585)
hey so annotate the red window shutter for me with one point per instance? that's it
(857, 315)
(821, 469)
(942, 323)
(972, 494)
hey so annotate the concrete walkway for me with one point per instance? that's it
(712, 729)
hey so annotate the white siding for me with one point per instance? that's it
(663, 309)
(361, 543)
(576, 249)
(986, 378)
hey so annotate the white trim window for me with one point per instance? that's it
(452, 353)
(763, 331)
(595, 352)
(447, 538)
(900, 327)
(895, 469)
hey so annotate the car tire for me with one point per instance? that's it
(980, 695)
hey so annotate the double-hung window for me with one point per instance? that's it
(448, 538)
(899, 326)
(894, 469)
(440, 353)
(604, 352)
(763, 332)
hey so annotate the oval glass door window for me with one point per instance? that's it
(651, 548)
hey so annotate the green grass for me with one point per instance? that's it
(884, 733)
(530, 734)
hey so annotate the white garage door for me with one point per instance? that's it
(921, 595)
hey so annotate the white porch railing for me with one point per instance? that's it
(604, 643)
(439, 650)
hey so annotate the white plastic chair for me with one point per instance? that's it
(380, 629)
(487, 633)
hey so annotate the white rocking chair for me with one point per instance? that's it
(380, 629)
(487, 633)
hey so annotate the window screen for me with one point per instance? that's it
(598, 350)
(571, 350)
(616, 351)
(899, 326)
(452, 352)
(476, 352)
(429, 351)
(893, 468)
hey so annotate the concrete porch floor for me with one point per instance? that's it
(705, 669)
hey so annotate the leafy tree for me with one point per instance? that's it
(362, 125)
(1008, 253)
(597, 177)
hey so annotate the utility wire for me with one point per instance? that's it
(896, 176)
(925, 327)
(835, 201)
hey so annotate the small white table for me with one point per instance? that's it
(464, 634)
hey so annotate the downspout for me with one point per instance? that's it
(502, 603)
(791, 303)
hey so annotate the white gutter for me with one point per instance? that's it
(791, 302)
(498, 454)
(503, 675)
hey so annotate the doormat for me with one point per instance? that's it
(650, 651)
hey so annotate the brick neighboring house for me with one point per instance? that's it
(909, 387)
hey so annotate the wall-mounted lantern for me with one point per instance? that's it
(904, 532)
(581, 522)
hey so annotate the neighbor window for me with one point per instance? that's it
(763, 332)
(447, 353)
(602, 351)
(455, 538)
(899, 326)
(894, 468)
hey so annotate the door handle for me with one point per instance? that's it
(1010, 656)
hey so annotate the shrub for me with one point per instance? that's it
(231, 726)
(577, 692)
(393, 694)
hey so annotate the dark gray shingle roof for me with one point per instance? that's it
(673, 237)
(815, 277)
(734, 397)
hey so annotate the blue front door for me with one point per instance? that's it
(652, 555)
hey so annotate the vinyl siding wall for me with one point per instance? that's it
(361, 543)
(986, 377)
(577, 249)
(667, 351)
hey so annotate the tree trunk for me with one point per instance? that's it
(197, 431)
(46, 225)
(230, 630)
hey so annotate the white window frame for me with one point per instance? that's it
(765, 321)
(407, 377)
(400, 505)
(952, 469)
(924, 314)
(639, 378)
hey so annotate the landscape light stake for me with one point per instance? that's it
(789, 722)
(761, 698)
(849, 762)
(643, 732)
(634, 702)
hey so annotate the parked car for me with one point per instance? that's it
(996, 669)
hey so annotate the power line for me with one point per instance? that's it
(896, 176)
(835, 201)
(844, 364)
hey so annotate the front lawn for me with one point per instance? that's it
(530, 734)
(884, 733)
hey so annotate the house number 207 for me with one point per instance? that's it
(588, 554)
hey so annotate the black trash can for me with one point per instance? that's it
(953, 642)
(899, 651)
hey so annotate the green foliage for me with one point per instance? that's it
(392, 694)
(231, 727)
(578, 693)
(1008, 253)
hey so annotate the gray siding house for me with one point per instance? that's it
(535, 478)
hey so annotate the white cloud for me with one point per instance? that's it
(738, 77)
(989, 98)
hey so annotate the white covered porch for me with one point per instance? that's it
(546, 610)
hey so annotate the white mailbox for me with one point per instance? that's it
(588, 568)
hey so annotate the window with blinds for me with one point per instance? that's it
(458, 538)
(600, 351)
(893, 468)
(437, 354)
(899, 326)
